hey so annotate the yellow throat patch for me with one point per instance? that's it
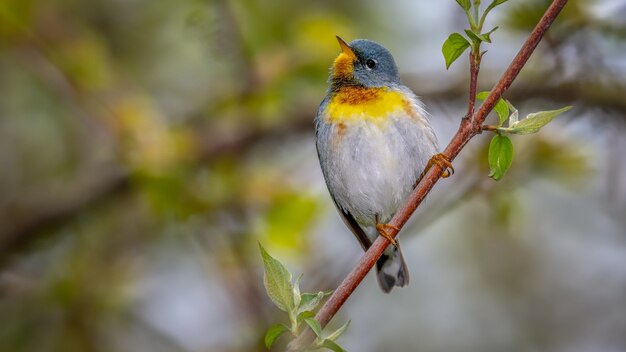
(352, 104)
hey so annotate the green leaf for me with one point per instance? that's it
(311, 300)
(277, 281)
(501, 108)
(482, 95)
(494, 3)
(514, 113)
(273, 333)
(534, 122)
(315, 326)
(303, 315)
(296, 292)
(487, 35)
(453, 47)
(465, 4)
(477, 37)
(332, 345)
(500, 156)
(335, 335)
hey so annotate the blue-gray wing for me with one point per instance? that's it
(347, 218)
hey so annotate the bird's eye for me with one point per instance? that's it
(371, 63)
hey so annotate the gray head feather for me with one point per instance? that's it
(375, 66)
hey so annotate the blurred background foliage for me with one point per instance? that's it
(146, 146)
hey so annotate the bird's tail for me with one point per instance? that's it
(391, 269)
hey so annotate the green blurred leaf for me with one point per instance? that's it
(332, 345)
(563, 160)
(524, 15)
(274, 333)
(505, 210)
(85, 61)
(501, 107)
(335, 335)
(161, 189)
(277, 281)
(311, 300)
(465, 4)
(15, 19)
(500, 156)
(315, 326)
(289, 216)
(534, 122)
(453, 47)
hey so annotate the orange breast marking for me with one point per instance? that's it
(343, 67)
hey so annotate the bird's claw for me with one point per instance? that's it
(383, 231)
(443, 162)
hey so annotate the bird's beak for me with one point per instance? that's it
(346, 49)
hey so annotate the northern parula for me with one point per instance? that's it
(374, 141)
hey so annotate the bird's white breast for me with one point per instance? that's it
(371, 167)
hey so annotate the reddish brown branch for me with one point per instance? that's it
(490, 128)
(468, 129)
(474, 68)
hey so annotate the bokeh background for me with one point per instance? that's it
(146, 146)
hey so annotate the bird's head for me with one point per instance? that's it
(364, 63)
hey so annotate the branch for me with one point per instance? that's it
(24, 230)
(474, 59)
(468, 129)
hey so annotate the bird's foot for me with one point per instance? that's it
(383, 230)
(443, 162)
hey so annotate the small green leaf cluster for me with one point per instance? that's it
(300, 307)
(500, 155)
(456, 43)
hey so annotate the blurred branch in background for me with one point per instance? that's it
(604, 94)
(29, 221)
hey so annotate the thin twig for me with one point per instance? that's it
(468, 129)
(490, 128)
(474, 68)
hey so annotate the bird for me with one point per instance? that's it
(374, 142)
